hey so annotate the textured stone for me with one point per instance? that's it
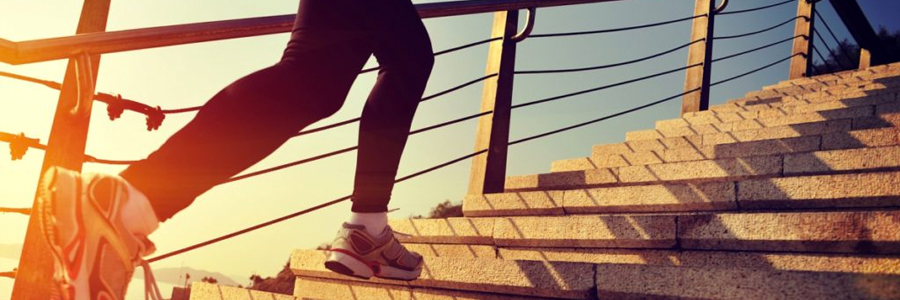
(882, 120)
(644, 281)
(320, 288)
(207, 291)
(644, 145)
(445, 231)
(601, 231)
(861, 138)
(637, 158)
(529, 278)
(652, 198)
(576, 164)
(744, 149)
(453, 250)
(562, 180)
(845, 113)
(778, 132)
(514, 203)
(842, 160)
(846, 232)
(719, 169)
(332, 289)
(679, 131)
(846, 190)
(814, 262)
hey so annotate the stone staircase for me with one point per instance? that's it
(791, 192)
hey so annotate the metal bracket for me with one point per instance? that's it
(85, 81)
(721, 7)
(529, 25)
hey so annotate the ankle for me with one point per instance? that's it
(375, 223)
(137, 213)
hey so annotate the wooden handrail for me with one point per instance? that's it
(135, 39)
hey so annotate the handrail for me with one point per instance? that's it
(152, 37)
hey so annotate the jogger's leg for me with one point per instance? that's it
(253, 116)
(405, 56)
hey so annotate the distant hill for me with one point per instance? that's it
(11, 251)
(175, 276)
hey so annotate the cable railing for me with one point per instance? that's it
(496, 102)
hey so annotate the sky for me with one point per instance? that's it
(188, 75)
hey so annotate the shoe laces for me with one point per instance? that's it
(151, 290)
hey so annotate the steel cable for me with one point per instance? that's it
(836, 60)
(755, 49)
(438, 94)
(822, 58)
(554, 98)
(758, 31)
(755, 9)
(841, 45)
(753, 71)
(544, 35)
(609, 65)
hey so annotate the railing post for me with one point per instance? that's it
(865, 58)
(802, 64)
(489, 169)
(699, 53)
(65, 148)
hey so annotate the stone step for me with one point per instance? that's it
(824, 81)
(561, 280)
(791, 102)
(838, 76)
(738, 144)
(872, 89)
(734, 161)
(831, 87)
(788, 126)
(779, 120)
(860, 231)
(821, 232)
(335, 289)
(871, 189)
(811, 262)
(208, 291)
(718, 117)
(666, 282)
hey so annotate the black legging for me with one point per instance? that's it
(245, 122)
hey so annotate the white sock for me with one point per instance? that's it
(137, 214)
(374, 222)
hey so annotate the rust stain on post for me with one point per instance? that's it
(65, 148)
(489, 169)
(700, 52)
(802, 64)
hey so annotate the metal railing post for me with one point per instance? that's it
(699, 53)
(489, 169)
(801, 65)
(65, 148)
(865, 58)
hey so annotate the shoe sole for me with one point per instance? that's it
(346, 264)
(48, 225)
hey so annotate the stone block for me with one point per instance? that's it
(527, 278)
(717, 169)
(598, 231)
(445, 231)
(652, 198)
(842, 160)
(824, 232)
(861, 138)
(514, 204)
(826, 191)
(665, 282)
